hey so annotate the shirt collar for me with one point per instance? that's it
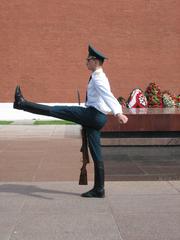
(99, 70)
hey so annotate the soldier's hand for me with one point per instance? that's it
(122, 118)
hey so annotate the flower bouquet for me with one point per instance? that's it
(154, 96)
(178, 101)
(168, 99)
(137, 99)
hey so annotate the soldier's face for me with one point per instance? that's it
(91, 64)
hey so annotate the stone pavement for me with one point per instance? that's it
(40, 196)
(55, 211)
(51, 153)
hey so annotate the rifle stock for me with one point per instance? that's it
(83, 177)
(85, 155)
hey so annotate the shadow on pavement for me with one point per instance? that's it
(31, 190)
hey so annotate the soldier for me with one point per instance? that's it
(99, 102)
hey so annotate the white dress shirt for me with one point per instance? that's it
(99, 94)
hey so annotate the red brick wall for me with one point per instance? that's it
(43, 46)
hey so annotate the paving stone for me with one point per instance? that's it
(159, 226)
(144, 203)
(140, 187)
(10, 210)
(175, 185)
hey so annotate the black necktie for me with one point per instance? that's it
(86, 90)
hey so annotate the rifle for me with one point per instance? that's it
(85, 154)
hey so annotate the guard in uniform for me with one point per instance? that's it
(99, 102)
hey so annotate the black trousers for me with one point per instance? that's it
(90, 118)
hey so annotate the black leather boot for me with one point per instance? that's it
(22, 104)
(19, 99)
(98, 189)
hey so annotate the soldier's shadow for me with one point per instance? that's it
(31, 190)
